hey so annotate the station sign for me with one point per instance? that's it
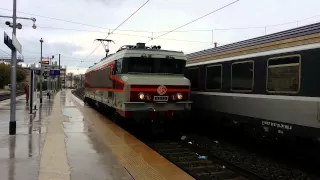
(45, 62)
(7, 41)
(37, 72)
(16, 43)
(54, 72)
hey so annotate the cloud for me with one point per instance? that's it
(111, 3)
(33, 45)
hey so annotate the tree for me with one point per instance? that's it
(21, 75)
(5, 74)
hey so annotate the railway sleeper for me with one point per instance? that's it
(177, 149)
(228, 174)
(202, 162)
(176, 154)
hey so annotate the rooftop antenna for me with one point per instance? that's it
(105, 43)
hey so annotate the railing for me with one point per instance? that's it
(8, 58)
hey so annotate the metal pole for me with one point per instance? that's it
(41, 73)
(65, 74)
(31, 89)
(12, 124)
(59, 83)
(50, 79)
(212, 36)
(80, 81)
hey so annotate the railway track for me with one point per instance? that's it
(200, 167)
(7, 96)
(205, 158)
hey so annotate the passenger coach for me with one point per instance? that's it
(140, 82)
(270, 83)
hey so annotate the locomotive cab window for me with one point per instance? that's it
(284, 74)
(141, 65)
(193, 76)
(154, 65)
(171, 66)
(214, 77)
(242, 76)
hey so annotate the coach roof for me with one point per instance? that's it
(292, 33)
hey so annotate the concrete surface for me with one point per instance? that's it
(66, 139)
(20, 154)
(54, 143)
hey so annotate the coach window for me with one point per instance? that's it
(242, 76)
(283, 75)
(193, 76)
(214, 77)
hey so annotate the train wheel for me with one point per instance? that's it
(86, 101)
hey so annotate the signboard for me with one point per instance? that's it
(7, 41)
(45, 74)
(37, 72)
(16, 43)
(45, 62)
(54, 72)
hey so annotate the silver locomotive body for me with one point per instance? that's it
(140, 83)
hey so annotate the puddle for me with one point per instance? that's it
(72, 113)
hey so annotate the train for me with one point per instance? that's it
(145, 84)
(269, 85)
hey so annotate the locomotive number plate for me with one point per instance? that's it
(160, 98)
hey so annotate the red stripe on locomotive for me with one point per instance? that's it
(152, 91)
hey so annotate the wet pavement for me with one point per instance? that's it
(141, 161)
(88, 156)
(20, 154)
(65, 140)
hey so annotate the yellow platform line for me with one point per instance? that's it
(54, 162)
(121, 143)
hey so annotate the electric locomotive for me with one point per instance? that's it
(141, 83)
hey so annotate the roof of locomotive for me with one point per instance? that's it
(136, 52)
(283, 35)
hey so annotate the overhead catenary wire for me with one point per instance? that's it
(148, 31)
(53, 18)
(116, 29)
(5, 52)
(229, 4)
(75, 59)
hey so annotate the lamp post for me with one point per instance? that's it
(13, 123)
(14, 25)
(41, 72)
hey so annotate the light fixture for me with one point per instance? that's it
(179, 96)
(34, 26)
(141, 96)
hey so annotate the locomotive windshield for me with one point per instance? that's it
(155, 65)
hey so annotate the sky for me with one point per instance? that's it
(69, 27)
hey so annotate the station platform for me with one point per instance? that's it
(66, 139)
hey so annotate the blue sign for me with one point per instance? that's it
(8, 41)
(54, 72)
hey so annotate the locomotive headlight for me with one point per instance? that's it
(141, 96)
(179, 96)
